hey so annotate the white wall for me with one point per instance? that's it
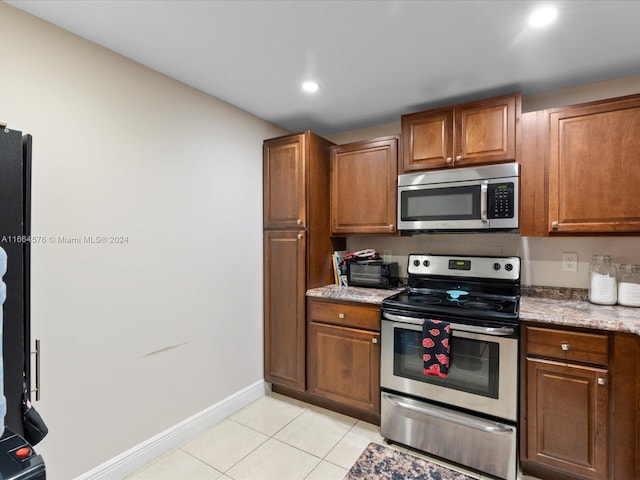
(541, 256)
(121, 150)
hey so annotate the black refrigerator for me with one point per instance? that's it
(15, 228)
(17, 456)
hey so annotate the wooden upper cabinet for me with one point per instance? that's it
(594, 167)
(428, 140)
(284, 182)
(485, 131)
(363, 186)
(474, 133)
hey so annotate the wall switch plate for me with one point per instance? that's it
(569, 262)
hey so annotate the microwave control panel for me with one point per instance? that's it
(501, 200)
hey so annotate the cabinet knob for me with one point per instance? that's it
(448, 159)
(341, 315)
(374, 340)
(299, 222)
(458, 158)
(565, 347)
(554, 224)
(602, 381)
(300, 236)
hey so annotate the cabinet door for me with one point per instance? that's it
(344, 365)
(363, 187)
(567, 425)
(485, 131)
(284, 308)
(284, 182)
(594, 167)
(428, 140)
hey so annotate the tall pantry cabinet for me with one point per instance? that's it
(297, 248)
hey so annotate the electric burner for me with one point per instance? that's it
(480, 305)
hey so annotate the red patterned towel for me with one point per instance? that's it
(435, 347)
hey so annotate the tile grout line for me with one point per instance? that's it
(269, 437)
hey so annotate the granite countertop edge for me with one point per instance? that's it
(553, 306)
(372, 296)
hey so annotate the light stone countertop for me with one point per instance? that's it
(578, 313)
(559, 312)
(353, 294)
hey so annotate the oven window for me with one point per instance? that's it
(473, 364)
(453, 203)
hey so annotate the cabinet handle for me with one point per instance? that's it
(299, 236)
(602, 381)
(565, 347)
(341, 315)
(37, 352)
(299, 222)
(374, 340)
(554, 224)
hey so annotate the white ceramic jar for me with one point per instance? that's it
(603, 285)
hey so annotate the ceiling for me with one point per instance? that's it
(374, 60)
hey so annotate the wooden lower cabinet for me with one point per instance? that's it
(579, 404)
(343, 354)
(284, 307)
(567, 424)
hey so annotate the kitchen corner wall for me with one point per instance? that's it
(141, 334)
(541, 256)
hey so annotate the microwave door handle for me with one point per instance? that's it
(484, 189)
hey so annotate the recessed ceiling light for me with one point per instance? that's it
(310, 86)
(543, 16)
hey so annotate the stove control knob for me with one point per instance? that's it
(496, 266)
(508, 267)
(426, 263)
(416, 263)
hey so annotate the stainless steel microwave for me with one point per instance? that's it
(471, 198)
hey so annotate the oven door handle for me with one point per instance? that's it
(495, 331)
(475, 423)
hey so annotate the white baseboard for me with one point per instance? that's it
(152, 449)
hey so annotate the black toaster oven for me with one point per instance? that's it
(372, 274)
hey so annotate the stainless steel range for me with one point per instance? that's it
(469, 417)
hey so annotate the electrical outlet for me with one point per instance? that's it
(569, 262)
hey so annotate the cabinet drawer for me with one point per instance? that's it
(567, 345)
(351, 315)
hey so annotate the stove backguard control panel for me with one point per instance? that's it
(495, 268)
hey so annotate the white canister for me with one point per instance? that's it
(629, 285)
(603, 285)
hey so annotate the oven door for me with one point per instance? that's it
(483, 370)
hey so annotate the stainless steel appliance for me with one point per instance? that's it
(469, 417)
(473, 198)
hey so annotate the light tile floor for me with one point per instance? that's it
(277, 438)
